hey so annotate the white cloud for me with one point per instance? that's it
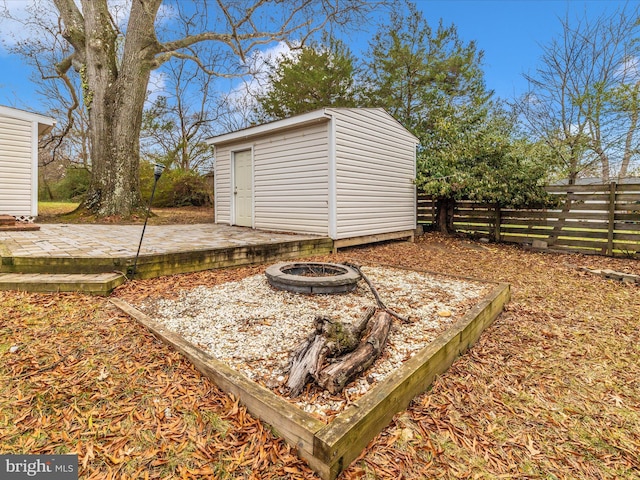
(531, 99)
(241, 98)
(258, 64)
(17, 17)
(279, 50)
(157, 84)
(630, 70)
(120, 10)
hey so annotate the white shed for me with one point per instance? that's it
(345, 173)
(19, 133)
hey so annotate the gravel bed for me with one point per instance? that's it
(254, 328)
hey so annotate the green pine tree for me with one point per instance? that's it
(318, 76)
(433, 83)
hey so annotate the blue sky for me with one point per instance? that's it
(509, 31)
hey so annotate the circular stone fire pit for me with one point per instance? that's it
(312, 277)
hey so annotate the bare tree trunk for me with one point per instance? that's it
(115, 105)
(564, 213)
(604, 164)
(114, 89)
(628, 144)
(115, 188)
(45, 183)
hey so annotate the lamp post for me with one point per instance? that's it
(158, 168)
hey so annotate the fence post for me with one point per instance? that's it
(498, 217)
(433, 210)
(612, 217)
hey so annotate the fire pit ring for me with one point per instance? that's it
(312, 277)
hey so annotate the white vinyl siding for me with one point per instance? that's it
(17, 167)
(291, 180)
(375, 171)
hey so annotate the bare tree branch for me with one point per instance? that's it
(579, 100)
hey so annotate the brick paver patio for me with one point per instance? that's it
(87, 241)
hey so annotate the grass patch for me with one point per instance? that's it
(56, 208)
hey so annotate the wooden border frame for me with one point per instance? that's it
(329, 449)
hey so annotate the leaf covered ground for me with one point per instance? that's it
(551, 389)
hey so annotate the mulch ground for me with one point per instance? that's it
(551, 389)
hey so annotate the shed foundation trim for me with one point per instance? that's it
(408, 235)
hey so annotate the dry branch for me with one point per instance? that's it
(376, 295)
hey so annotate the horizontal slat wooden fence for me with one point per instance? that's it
(599, 219)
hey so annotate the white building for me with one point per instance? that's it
(19, 133)
(345, 173)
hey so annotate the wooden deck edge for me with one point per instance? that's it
(297, 427)
(51, 285)
(63, 265)
(155, 265)
(184, 262)
(20, 227)
(340, 442)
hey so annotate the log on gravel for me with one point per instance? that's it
(338, 374)
(329, 339)
(306, 363)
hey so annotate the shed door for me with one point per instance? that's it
(242, 188)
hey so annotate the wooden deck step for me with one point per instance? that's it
(8, 223)
(93, 283)
(7, 220)
(19, 227)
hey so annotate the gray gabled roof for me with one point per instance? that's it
(320, 115)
